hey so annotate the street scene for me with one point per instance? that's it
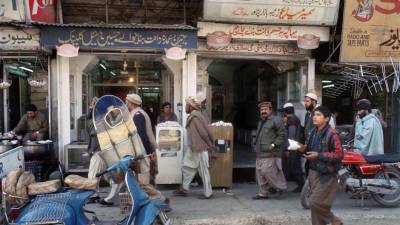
(194, 112)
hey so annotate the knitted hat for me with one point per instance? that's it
(192, 101)
(134, 98)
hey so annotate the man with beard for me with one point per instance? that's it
(368, 138)
(293, 160)
(311, 102)
(270, 137)
(324, 152)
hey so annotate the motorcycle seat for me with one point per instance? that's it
(385, 158)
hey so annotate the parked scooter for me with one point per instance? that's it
(376, 176)
(66, 207)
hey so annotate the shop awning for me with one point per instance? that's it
(119, 36)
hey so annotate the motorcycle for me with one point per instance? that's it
(376, 176)
(66, 207)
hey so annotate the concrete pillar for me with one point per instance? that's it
(189, 81)
(63, 106)
(175, 68)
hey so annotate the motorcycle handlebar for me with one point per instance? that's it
(133, 159)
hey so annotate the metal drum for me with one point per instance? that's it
(37, 151)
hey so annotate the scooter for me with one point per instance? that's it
(376, 176)
(66, 207)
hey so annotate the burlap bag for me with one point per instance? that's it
(78, 182)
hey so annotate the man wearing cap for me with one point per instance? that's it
(200, 142)
(293, 129)
(368, 138)
(270, 137)
(33, 125)
(144, 128)
(324, 152)
(311, 102)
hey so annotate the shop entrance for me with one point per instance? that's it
(237, 86)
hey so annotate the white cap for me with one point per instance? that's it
(287, 105)
(312, 96)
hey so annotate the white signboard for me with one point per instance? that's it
(11, 160)
(310, 12)
(264, 48)
(12, 10)
(262, 32)
(24, 39)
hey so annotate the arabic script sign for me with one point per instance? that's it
(118, 38)
(310, 12)
(262, 32)
(12, 39)
(264, 48)
(371, 31)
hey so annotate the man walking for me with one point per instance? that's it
(270, 137)
(143, 125)
(196, 156)
(368, 138)
(293, 129)
(324, 152)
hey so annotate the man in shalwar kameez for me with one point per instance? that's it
(270, 137)
(200, 142)
(368, 139)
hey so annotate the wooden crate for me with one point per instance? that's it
(222, 167)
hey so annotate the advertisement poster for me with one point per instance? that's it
(371, 31)
(42, 10)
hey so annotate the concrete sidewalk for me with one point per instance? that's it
(237, 207)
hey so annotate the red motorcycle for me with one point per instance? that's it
(375, 176)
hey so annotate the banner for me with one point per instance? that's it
(42, 10)
(310, 12)
(371, 31)
(12, 10)
(262, 32)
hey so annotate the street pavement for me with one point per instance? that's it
(235, 206)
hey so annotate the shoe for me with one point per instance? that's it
(105, 203)
(180, 192)
(336, 221)
(206, 197)
(93, 199)
(259, 197)
(297, 190)
(272, 190)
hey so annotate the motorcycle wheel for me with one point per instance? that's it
(162, 219)
(305, 194)
(393, 199)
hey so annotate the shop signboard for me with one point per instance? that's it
(12, 10)
(262, 32)
(42, 10)
(115, 38)
(310, 12)
(23, 39)
(253, 47)
(371, 31)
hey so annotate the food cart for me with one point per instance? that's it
(169, 153)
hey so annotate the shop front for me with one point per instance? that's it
(247, 54)
(114, 59)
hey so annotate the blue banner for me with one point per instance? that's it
(117, 38)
